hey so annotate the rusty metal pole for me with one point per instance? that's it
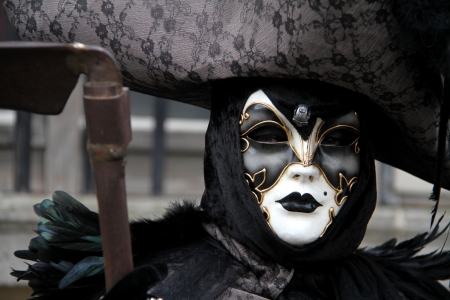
(107, 119)
(107, 110)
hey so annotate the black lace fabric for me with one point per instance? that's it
(165, 46)
(267, 278)
(174, 49)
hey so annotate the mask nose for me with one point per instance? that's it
(303, 173)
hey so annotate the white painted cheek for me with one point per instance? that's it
(298, 228)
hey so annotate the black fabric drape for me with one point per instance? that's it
(229, 202)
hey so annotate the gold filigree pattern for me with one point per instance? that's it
(247, 146)
(340, 192)
(244, 116)
(256, 188)
(282, 125)
(266, 213)
(351, 185)
(322, 173)
(331, 215)
(267, 216)
(254, 194)
(334, 127)
(357, 149)
(307, 158)
(259, 124)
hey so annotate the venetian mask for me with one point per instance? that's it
(300, 183)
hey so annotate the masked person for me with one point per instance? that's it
(290, 188)
(289, 163)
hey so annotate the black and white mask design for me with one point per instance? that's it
(299, 184)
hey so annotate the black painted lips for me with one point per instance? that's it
(297, 202)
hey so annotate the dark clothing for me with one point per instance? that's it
(186, 256)
(215, 266)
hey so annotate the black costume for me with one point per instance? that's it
(224, 249)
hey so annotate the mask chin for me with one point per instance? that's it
(299, 184)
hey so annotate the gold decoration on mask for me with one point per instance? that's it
(267, 216)
(254, 194)
(256, 197)
(357, 150)
(260, 123)
(349, 184)
(332, 215)
(266, 213)
(322, 173)
(244, 116)
(306, 160)
(334, 127)
(256, 188)
(248, 145)
(281, 124)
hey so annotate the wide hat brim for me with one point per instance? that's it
(176, 49)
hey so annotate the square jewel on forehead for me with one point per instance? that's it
(301, 115)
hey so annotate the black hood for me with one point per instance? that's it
(228, 200)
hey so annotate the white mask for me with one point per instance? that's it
(300, 185)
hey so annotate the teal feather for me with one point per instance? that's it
(89, 266)
(26, 254)
(81, 247)
(40, 209)
(42, 249)
(65, 199)
(51, 228)
(94, 239)
(63, 266)
(67, 249)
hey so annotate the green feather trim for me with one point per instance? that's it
(89, 266)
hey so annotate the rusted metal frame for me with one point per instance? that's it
(27, 68)
(109, 129)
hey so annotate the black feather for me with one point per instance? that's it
(415, 276)
(67, 251)
(179, 225)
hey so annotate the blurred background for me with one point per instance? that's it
(40, 154)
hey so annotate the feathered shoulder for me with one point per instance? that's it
(180, 225)
(415, 276)
(68, 253)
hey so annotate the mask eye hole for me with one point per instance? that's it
(268, 134)
(340, 137)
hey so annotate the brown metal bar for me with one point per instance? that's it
(27, 69)
(25, 72)
(109, 130)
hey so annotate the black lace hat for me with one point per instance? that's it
(391, 52)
